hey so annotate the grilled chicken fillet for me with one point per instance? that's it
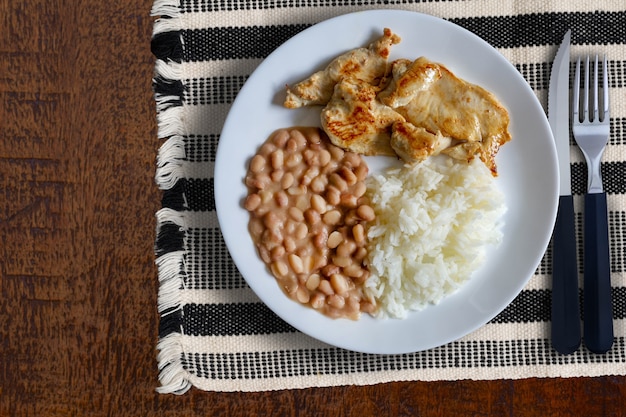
(365, 64)
(432, 98)
(355, 120)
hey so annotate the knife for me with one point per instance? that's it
(565, 332)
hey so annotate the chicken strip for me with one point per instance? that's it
(366, 64)
(355, 120)
(431, 97)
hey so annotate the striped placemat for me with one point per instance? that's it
(215, 334)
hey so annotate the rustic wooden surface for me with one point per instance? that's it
(78, 321)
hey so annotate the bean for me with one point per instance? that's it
(342, 261)
(337, 181)
(299, 138)
(289, 244)
(260, 182)
(265, 254)
(332, 217)
(361, 172)
(330, 269)
(352, 305)
(359, 189)
(311, 157)
(287, 180)
(277, 159)
(318, 301)
(290, 286)
(257, 164)
(272, 237)
(336, 153)
(350, 219)
(280, 269)
(266, 196)
(366, 212)
(267, 149)
(348, 200)
(334, 239)
(349, 176)
(358, 232)
(325, 287)
(336, 301)
(302, 202)
(277, 175)
(319, 240)
(353, 271)
(318, 203)
(281, 199)
(307, 264)
(310, 174)
(271, 220)
(361, 278)
(292, 145)
(312, 216)
(253, 201)
(277, 253)
(360, 254)
(296, 263)
(301, 231)
(346, 248)
(318, 184)
(303, 295)
(333, 195)
(313, 282)
(293, 160)
(296, 214)
(313, 137)
(280, 138)
(256, 227)
(353, 159)
(296, 190)
(324, 157)
(367, 307)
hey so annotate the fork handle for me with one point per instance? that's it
(565, 331)
(598, 306)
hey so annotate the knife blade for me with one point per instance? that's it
(565, 331)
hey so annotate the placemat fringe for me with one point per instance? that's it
(169, 246)
(170, 162)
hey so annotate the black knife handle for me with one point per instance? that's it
(598, 311)
(565, 303)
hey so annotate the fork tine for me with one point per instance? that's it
(576, 93)
(595, 90)
(586, 92)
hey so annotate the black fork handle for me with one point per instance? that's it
(598, 305)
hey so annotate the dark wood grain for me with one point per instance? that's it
(78, 320)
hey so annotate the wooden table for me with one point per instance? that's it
(78, 319)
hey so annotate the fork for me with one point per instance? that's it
(592, 134)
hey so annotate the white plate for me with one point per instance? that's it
(527, 175)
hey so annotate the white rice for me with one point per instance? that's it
(433, 223)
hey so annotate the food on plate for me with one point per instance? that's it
(366, 64)
(343, 243)
(308, 219)
(354, 119)
(412, 109)
(433, 223)
(439, 104)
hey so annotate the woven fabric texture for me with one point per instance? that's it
(215, 334)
